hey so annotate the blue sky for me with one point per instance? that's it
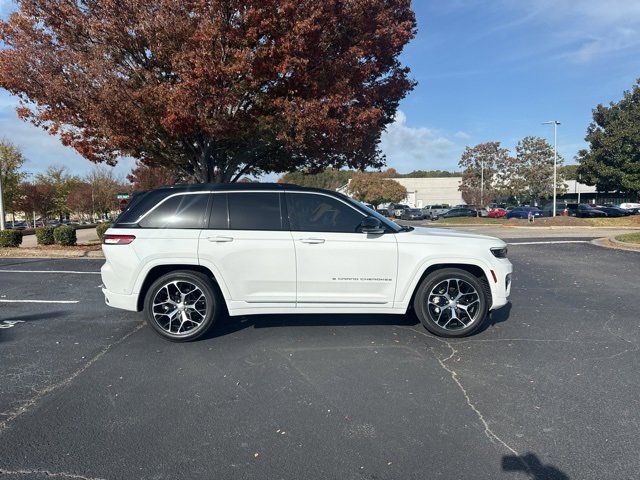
(486, 70)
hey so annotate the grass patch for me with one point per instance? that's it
(629, 237)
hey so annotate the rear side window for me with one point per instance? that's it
(180, 211)
(320, 213)
(254, 211)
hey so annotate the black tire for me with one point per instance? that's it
(425, 313)
(212, 308)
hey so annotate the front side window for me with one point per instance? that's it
(310, 212)
(179, 211)
(254, 211)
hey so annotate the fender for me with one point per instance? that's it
(405, 292)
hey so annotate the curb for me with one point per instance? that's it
(35, 253)
(614, 244)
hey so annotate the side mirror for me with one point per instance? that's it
(371, 225)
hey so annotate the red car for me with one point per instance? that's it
(497, 213)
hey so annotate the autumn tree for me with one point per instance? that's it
(36, 198)
(11, 160)
(612, 161)
(480, 166)
(79, 199)
(531, 173)
(216, 90)
(104, 187)
(375, 189)
(60, 182)
(331, 178)
(145, 177)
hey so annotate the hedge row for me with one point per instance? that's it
(100, 229)
(62, 235)
(10, 238)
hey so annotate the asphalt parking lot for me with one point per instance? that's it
(548, 390)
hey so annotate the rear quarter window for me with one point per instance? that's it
(179, 211)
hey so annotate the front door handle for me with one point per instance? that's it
(220, 239)
(312, 240)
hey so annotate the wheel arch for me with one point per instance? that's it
(158, 270)
(474, 269)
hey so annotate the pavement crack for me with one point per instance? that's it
(47, 473)
(40, 393)
(489, 433)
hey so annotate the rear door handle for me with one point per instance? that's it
(220, 239)
(312, 240)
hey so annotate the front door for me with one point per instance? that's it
(335, 263)
(247, 241)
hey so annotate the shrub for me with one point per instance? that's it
(65, 235)
(100, 229)
(44, 235)
(10, 238)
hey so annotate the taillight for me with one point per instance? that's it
(110, 239)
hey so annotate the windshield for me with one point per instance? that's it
(393, 226)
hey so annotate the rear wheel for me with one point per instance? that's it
(452, 302)
(182, 305)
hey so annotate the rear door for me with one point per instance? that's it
(336, 264)
(248, 242)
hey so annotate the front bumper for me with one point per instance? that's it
(119, 300)
(501, 285)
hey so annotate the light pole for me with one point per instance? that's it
(1, 203)
(555, 124)
(481, 182)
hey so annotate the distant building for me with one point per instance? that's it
(445, 190)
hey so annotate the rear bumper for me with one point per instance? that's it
(119, 300)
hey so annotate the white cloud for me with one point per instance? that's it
(408, 148)
(462, 135)
(585, 30)
(42, 149)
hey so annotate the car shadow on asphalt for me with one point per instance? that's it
(532, 466)
(8, 322)
(227, 325)
(495, 317)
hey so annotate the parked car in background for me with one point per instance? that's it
(16, 225)
(523, 212)
(398, 209)
(584, 210)
(384, 212)
(497, 212)
(412, 214)
(634, 208)
(434, 211)
(482, 212)
(612, 211)
(459, 212)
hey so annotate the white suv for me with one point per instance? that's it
(184, 254)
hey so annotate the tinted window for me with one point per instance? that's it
(181, 211)
(321, 213)
(219, 216)
(254, 211)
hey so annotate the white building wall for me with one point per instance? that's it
(431, 191)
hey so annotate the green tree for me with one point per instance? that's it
(480, 166)
(375, 189)
(612, 161)
(11, 160)
(532, 172)
(62, 182)
(330, 178)
(568, 172)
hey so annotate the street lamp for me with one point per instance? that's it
(555, 124)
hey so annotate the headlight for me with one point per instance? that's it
(499, 252)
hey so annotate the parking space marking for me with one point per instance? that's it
(551, 242)
(4, 300)
(50, 271)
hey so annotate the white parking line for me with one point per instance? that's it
(549, 242)
(50, 271)
(4, 300)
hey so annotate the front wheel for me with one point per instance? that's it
(182, 305)
(452, 302)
